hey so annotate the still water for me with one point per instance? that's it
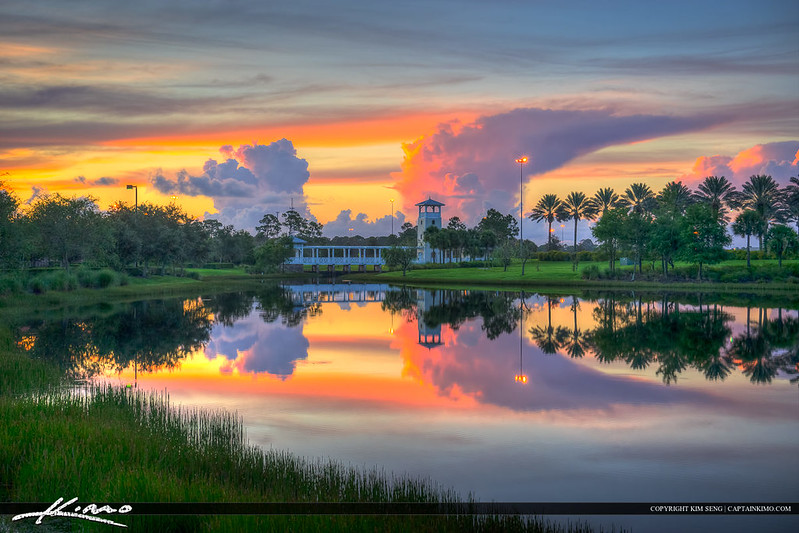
(508, 396)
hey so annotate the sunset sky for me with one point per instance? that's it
(235, 109)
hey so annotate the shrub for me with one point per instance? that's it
(37, 285)
(591, 272)
(105, 278)
(10, 283)
(554, 255)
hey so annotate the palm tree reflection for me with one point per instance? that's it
(549, 339)
(772, 346)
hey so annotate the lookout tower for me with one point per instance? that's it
(429, 216)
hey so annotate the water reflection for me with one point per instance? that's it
(150, 335)
(263, 332)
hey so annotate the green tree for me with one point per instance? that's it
(547, 208)
(665, 236)
(746, 224)
(400, 257)
(273, 253)
(761, 195)
(10, 238)
(636, 232)
(791, 201)
(639, 198)
(268, 227)
(293, 222)
(609, 230)
(703, 236)
(781, 240)
(605, 199)
(718, 193)
(504, 254)
(488, 240)
(575, 207)
(675, 197)
(456, 224)
(127, 239)
(432, 236)
(66, 228)
(503, 226)
(526, 251)
(407, 235)
(311, 231)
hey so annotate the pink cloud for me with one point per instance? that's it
(472, 167)
(779, 160)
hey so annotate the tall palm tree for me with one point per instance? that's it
(547, 208)
(675, 197)
(574, 207)
(761, 195)
(605, 199)
(790, 200)
(746, 224)
(550, 339)
(639, 198)
(718, 193)
(577, 341)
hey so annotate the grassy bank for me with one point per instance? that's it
(562, 275)
(112, 444)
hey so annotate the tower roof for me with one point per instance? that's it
(430, 202)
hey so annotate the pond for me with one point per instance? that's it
(509, 396)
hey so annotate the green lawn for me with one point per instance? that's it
(562, 273)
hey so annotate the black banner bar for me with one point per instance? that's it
(431, 509)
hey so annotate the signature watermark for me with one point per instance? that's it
(88, 512)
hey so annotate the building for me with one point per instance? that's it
(429, 216)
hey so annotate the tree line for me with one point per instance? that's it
(676, 223)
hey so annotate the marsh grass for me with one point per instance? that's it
(106, 443)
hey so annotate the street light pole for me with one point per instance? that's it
(136, 190)
(521, 161)
(392, 217)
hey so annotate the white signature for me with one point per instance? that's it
(88, 512)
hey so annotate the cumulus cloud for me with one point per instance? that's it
(254, 347)
(780, 160)
(472, 167)
(361, 225)
(252, 180)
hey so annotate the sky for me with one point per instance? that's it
(237, 109)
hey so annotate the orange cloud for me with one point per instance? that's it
(780, 160)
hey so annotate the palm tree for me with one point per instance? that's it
(639, 198)
(791, 201)
(675, 197)
(549, 338)
(760, 194)
(547, 208)
(577, 341)
(746, 224)
(718, 193)
(574, 207)
(605, 199)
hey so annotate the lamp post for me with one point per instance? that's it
(392, 216)
(135, 355)
(521, 161)
(521, 377)
(136, 190)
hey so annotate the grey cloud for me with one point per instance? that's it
(361, 225)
